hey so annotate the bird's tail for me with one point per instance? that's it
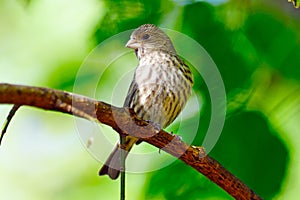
(112, 166)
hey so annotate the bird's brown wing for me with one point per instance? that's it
(112, 165)
(131, 93)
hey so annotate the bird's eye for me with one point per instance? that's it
(146, 36)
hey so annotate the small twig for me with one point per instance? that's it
(122, 181)
(8, 120)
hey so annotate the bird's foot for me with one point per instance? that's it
(177, 137)
(156, 125)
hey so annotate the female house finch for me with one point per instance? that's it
(159, 90)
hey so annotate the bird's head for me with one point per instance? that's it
(149, 37)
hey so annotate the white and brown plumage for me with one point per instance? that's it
(161, 86)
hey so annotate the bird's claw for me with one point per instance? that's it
(177, 137)
(156, 125)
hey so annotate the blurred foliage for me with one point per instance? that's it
(170, 184)
(257, 159)
(256, 47)
(124, 15)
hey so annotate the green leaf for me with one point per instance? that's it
(179, 181)
(230, 50)
(277, 44)
(250, 148)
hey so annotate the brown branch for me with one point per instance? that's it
(124, 121)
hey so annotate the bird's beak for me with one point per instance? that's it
(133, 44)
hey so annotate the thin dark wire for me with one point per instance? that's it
(8, 120)
(122, 169)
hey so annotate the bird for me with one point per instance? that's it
(161, 86)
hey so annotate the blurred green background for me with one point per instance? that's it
(255, 44)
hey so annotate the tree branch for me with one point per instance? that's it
(125, 122)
